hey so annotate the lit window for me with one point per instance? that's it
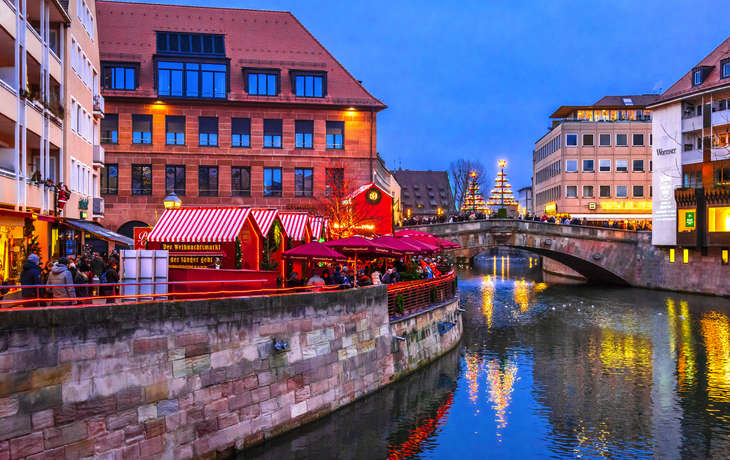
(725, 259)
(671, 255)
(685, 256)
(622, 191)
(718, 219)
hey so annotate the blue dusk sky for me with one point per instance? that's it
(479, 79)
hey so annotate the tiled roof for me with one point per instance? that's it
(253, 39)
(683, 87)
(642, 100)
(414, 183)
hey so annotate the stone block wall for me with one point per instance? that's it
(197, 378)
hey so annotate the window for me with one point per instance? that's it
(272, 134)
(335, 134)
(651, 139)
(308, 85)
(638, 139)
(272, 182)
(207, 181)
(109, 129)
(722, 176)
(303, 182)
(588, 140)
(671, 255)
(262, 83)
(588, 166)
(175, 180)
(571, 165)
(240, 181)
(208, 130)
(638, 166)
(697, 77)
(241, 132)
(622, 191)
(604, 140)
(179, 79)
(120, 77)
(622, 165)
(685, 256)
(571, 140)
(571, 191)
(110, 179)
(190, 43)
(335, 180)
(651, 166)
(304, 133)
(604, 165)
(724, 258)
(638, 191)
(175, 130)
(725, 71)
(604, 191)
(141, 180)
(142, 129)
(622, 140)
(587, 191)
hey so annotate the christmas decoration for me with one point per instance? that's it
(502, 195)
(473, 200)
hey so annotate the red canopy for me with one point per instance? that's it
(399, 245)
(425, 247)
(446, 244)
(434, 241)
(314, 252)
(403, 233)
(357, 245)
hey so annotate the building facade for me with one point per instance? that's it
(425, 193)
(595, 162)
(692, 160)
(524, 199)
(224, 107)
(48, 127)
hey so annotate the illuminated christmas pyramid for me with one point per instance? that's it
(502, 194)
(473, 200)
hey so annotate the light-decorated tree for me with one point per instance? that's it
(473, 200)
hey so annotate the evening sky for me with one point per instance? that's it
(479, 78)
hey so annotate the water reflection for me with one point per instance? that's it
(549, 370)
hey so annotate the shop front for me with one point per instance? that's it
(75, 237)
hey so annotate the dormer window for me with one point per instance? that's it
(309, 84)
(700, 74)
(725, 66)
(698, 77)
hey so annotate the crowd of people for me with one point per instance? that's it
(370, 273)
(561, 220)
(69, 278)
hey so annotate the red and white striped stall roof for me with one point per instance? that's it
(199, 225)
(264, 219)
(294, 224)
(316, 224)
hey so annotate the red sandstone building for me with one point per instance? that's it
(223, 107)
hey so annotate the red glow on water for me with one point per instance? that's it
(424, 430)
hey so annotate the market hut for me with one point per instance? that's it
(320, 228)
(273, 239)
(197, 237)
(296, 226)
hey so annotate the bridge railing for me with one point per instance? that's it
(409, 297)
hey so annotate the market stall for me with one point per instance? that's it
(296, 226)
(273, 239)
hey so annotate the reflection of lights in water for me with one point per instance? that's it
(530, 262)
(627, 352)
(473, 369)
(502, 266)
(539, 287)
(522, 295)
(488, 299)
(501, 377)
(424, 430)
(494, 265)
(716, 334)
(686, 362)
(671, 312)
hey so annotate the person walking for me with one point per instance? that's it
(110, 276)
(81, 283)
(60, 283)
(30, 276)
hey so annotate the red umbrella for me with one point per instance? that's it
(446, 244)
(399, 245)
(358, 245)
(403, 233)
(434, 241)
(425, 247)
(313, 252)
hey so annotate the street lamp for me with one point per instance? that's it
(172, 201)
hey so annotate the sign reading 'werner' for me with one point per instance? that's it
(662, 152)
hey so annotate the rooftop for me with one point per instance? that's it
(639, 102)
(428, 189)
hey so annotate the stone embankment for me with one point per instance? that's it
(199, 378)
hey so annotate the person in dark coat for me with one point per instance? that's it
(97, 265)
(30, 276)
(326, 277)
(81, 283)
(294, 280)
(337, 277)
(112, 277)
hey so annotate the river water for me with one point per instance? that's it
(548, 370)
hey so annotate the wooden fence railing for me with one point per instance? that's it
(420, 295)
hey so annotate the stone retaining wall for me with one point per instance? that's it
(197, 378)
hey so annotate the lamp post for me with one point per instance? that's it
(172, 201)
(502, 164)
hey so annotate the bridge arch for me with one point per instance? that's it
(599, 254)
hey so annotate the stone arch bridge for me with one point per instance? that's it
(600, 254)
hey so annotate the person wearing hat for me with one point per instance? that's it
(61, 282)
(30, 276)
(110, 276)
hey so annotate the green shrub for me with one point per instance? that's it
(502, 213)
(400, 304)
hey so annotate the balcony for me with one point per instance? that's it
(8, 101)
(98, 156)
(98, 106)
(7, 18)
(98, 206)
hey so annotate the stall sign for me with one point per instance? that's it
(191, 246)
(551, 208)
(592, 205)
(192, 261)
(140, 237)
(689, 220)
(626, 205)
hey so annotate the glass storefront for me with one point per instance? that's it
(718, 219)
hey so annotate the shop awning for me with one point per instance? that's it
(264, 218)
(316, 223)
(602, 217)
(294, 224)
(99, 232)
(199, 225)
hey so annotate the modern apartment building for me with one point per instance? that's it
(595, 161)
(691, 126)
(224, 107)
(48, 78)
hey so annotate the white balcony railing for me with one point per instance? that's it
(98, 155)
(99, 106)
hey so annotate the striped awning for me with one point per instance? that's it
(264, 218)
(316, 224)
(294, 224)
(199, 225)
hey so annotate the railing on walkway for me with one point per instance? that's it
(420, 295)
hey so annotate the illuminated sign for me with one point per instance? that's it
(373, 196)
(592, 205)
(626, 205)
(551, 208)
(140, 237)
(193, 261)
(191, 246)
(689, 219)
